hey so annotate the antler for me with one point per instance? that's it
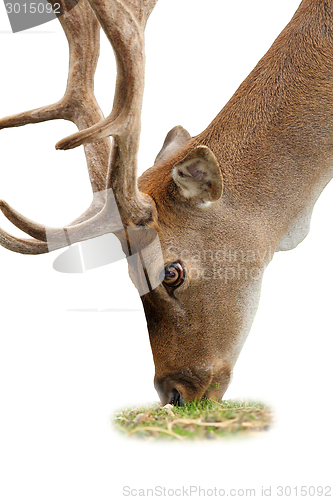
(112, 174)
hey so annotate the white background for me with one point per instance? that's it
(62, 372)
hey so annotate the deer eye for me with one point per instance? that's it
(174, 275)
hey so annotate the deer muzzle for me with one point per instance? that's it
(192, 385)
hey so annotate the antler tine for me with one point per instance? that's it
(26, 246)
(106, 220)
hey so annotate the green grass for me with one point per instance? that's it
(204, 419)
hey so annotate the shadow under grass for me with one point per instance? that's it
(205, 419)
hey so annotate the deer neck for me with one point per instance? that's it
(273, 139)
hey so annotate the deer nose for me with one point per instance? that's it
(192, 384)
(168, 394)
(175, 398)
(188, 385)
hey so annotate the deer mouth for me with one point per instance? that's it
(176, 398)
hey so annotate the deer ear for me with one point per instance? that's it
(198, 176)
(174, 140)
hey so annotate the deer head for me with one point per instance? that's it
(220, 203)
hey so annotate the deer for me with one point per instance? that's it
(201, 225)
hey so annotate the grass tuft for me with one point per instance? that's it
(204, 419)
